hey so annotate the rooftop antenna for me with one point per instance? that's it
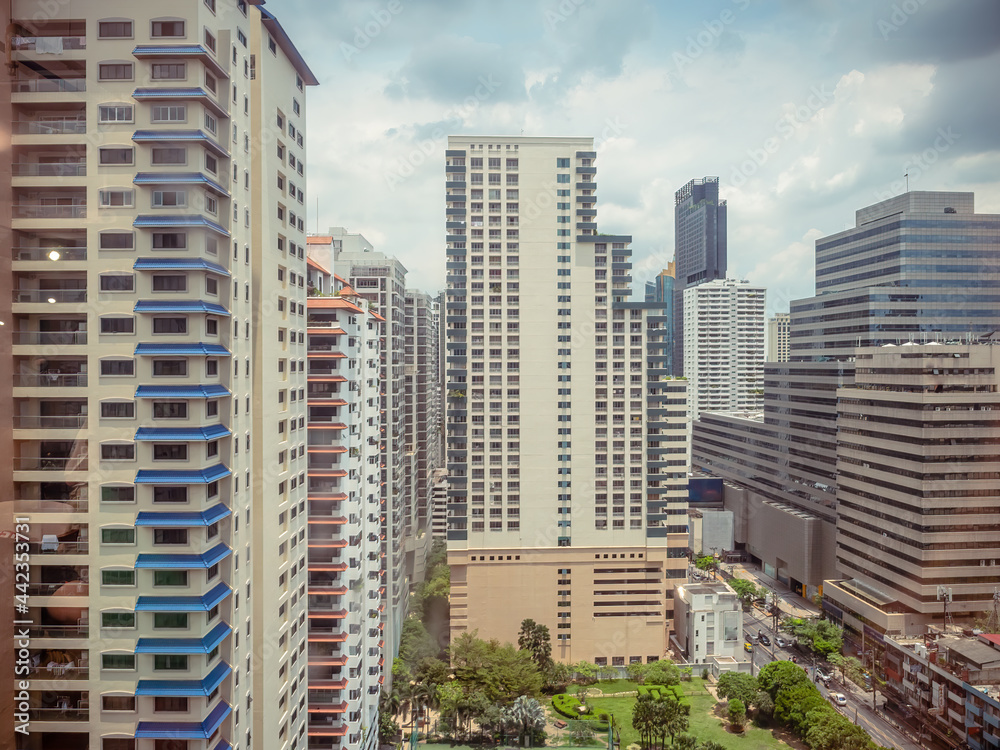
(906, 176)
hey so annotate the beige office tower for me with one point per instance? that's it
(917, 540)
(565, 436)
(779, 328)
(158, 344)
(345, 573)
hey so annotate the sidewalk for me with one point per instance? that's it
(791, 603)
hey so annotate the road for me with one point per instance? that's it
(856, 709)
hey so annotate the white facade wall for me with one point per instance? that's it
(708, 621)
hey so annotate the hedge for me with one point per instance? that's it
(566, 705)
(658, 691)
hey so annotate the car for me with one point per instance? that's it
(762, 637)
(839, 698)
(748, 647)
(780, 642)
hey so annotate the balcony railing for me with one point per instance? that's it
(46, 211)
(57, 547)
(59, 672)
(46, 85)
(51, 126)
(50, 253)
(58, 631)
(58, 714)
(50, 506)
(53, 44)
(50, 338)
(51, 380)
(50, 463)
(52, 296)
(66, 422)
(61, 169)
(75, 588)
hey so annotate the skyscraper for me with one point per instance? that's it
(661, 290)
(779, 327)
(345, 570)
(154, 437)
(724, 332)
(699, 246)
(919, 267)
(568, 472)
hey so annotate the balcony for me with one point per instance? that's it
(51, 380)
(49, 254)
(60, 422)
(51, 125)
(50, 296)
(49, 338)
(41, 169)
(43, 210)
(47, 85)
(50, 463)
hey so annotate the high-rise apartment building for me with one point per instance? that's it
(700, 247)
(724, 347)
(152, 428)
(422, 405)
(661, 290)
(917, 468)
(345, 571)
(380, 281)
(779, 328)
(568, 473)
(918, 267)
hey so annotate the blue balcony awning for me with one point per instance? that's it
(173, 136)
(183, 603)
(144, 51)
(191, 688)
(203, 645)
(179, 730)
(178, 264)
(178, 561)
(182, 518)
(182, 391)
(182, 476)
(182, 92)
(184, 434)
(179, 221)
(180, 178)
(179, 306)
(195, 349)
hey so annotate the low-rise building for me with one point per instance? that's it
(708, 621)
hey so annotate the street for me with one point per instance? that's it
(857, 710)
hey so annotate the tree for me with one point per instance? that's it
(388, 728)
(534, 638)
(745, 590)
(644, 718)
(739, 686)
(528, 714)
(672, 717)
(711, 745)
(499, 672)
(822, 636)
(781, 675)
(636, 672)
(765, 706)
(737, 711)
(415, 643)
(706, 563)
(585, 671)
(849, 666)
(662, 672)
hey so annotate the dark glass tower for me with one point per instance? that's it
(699, 246)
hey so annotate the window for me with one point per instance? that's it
(118, 494)
(117, 619)
(123, 577)
(110, 156)
(170, 494)
(169, 704)
(117, 241)
(170, 451)
(562, 178)
(170, 410)
(169, 240)
(117, 743)
(210, 37)
(117, 325)
(272, 45)
(172, 155)
(241, 37)
(115, 113)
(169, 325)
(562, 163)
(171, 620)
(118, 410)
(211, 164)
(170, 578)
(170, 536)
(116, 198)
(170, 661)
(169, 113)
(211, 205)
(169, 198)
(167, 29)
(210, 83)
(169, 71)
(118, 452)
(118, 661)
(117, 282)
(170, 368)
(170, 283)
(122, 535)
(114, 72)
(212, 126)
(212, 286)
(114, 30)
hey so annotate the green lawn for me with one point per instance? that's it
(704, 725)
(606, 686)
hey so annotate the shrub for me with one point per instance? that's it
(567, 705)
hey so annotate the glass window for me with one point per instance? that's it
(117, 240)
(170, 578)
(118, 409)
(116, 156)
(169, 113)
(115, 113)
(170, 410)
(168, 29)
(114, 30)
(169, 325)
(117, 282)
(124, 367)
(170, 536)
(118, 452)
(170, 494)
(169, 240)
(121, 198)
(114, 72)
(117, 325)
(170, 620)
(170, 367)
(169, 198)
(170, 283)
(122, 494)
(118, 577)
(169, 71)
(117, 619)
(170, 451)
(169, 155)
(117, 702)
(118, 661)
(170, 661)
(170, 704)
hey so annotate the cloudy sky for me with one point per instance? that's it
(805, 109)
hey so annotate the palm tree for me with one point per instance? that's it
(528, 714)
